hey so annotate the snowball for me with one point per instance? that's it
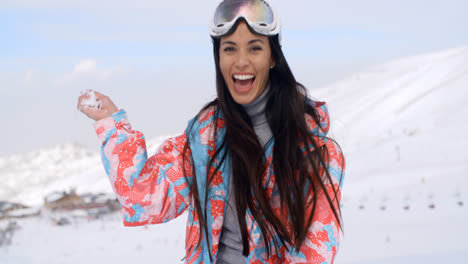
(91, 101)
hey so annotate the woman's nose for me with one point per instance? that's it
(242, 60)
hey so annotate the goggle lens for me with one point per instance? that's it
(255, 11)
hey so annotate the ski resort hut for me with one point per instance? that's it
(63, 200)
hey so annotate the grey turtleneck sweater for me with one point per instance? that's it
(230, 244)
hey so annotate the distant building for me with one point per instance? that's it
(63, 200)
(94, 204)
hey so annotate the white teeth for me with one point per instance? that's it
(243, 77)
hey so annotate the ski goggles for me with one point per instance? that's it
(257, 13)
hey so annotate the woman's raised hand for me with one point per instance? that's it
(95, 105)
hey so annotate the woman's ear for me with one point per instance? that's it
(272, 64)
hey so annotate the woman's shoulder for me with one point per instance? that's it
(206, 115)
(319, 120)
(205, 120)
(320, 130)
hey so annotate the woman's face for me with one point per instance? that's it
(245, 61)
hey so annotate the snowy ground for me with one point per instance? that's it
(98, 241)
(402, 128)
(420, 235)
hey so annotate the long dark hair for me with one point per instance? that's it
(293, 170)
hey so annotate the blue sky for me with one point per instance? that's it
(155, 57)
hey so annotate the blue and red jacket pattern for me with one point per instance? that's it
(154, 190)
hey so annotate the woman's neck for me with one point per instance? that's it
(256, 109)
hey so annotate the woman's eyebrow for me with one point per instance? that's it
(250, 42)
(256, 40)
(228, 42)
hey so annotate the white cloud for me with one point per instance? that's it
(87, 69)
(85, 66)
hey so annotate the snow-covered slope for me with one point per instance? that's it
(403, 122)
(402, 128)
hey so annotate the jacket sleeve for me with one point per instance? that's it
(322, 242)
(150, 191)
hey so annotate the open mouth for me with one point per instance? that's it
(243, 82)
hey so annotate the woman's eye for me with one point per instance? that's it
(256, 48)
(228, 49)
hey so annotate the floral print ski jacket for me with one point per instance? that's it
(154, 190)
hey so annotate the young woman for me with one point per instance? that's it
(255, 169)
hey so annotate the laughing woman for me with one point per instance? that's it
(255, 170)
